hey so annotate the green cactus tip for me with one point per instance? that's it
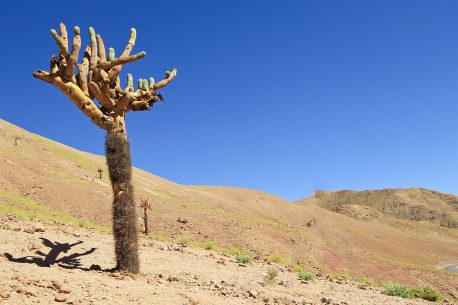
(133, 36)
(76, 29)
(130, 81)
(111, 54)
(145, 84)
(151, 82)
(92, 32)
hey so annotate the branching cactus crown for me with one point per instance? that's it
(98, 77)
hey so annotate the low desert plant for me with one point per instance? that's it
(183, 240)
(6, 226)
(305, 276)
(158, 236)
(343, 276)
(232, 251)
(208, 246)
(276, 258)
(271, 275)
(396, 289)
(425, 293)
(365, 280)
(243, 259)
(298, 268)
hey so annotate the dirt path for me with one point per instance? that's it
(53, 266)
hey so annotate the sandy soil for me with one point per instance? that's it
(50, 263)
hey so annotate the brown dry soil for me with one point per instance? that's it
(45, 180)
(54, 266)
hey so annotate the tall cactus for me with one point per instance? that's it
(98, 78)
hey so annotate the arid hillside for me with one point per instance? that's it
(43, 179)
(415, 204)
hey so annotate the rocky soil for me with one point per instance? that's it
(49, 263)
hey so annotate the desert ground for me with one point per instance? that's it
(47, 263)
(344, 238)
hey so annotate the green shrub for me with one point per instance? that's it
(396, 289)
(364, 280)
(183, 240)
(305, 276)
(276, 258)
(298, 268)
(271, 275)
(243, 259)
(158, 236)
(425, 293)
(208, 246)
(344, 276)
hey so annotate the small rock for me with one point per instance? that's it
(60, 298)
(38, 227)
(20, 290)
(29, 230)
(56, 285)
(182, 220)
(35, 246)
(4, 294)
(64, 289)
(363, 287)
(253, 294)
(326, 300)
(172, 279)
(95, 267)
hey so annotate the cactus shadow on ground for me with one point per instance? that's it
(71, 261)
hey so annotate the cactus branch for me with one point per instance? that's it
(166, 80)
(120, 61)
(73, 58)
(60, 43)
(77, 96)
(102, 52)
(93, 73)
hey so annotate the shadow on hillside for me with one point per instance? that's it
(71, 261)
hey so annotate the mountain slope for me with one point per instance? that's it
(409, 203)
(43, 178)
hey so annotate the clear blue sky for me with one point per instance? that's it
(282, 96)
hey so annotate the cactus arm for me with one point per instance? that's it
(60, 43)
(130, 83)
(77, 96)
(64, 36)
(166, 80)
(120, 61)
(102, 52)
(83, 70)
(93, 72)
(101, 96)
(73, 58)
(116, 69)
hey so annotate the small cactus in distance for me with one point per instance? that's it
(145, 205)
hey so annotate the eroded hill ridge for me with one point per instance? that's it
(417, 204)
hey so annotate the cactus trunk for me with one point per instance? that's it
(124, 215)
(146, 223)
